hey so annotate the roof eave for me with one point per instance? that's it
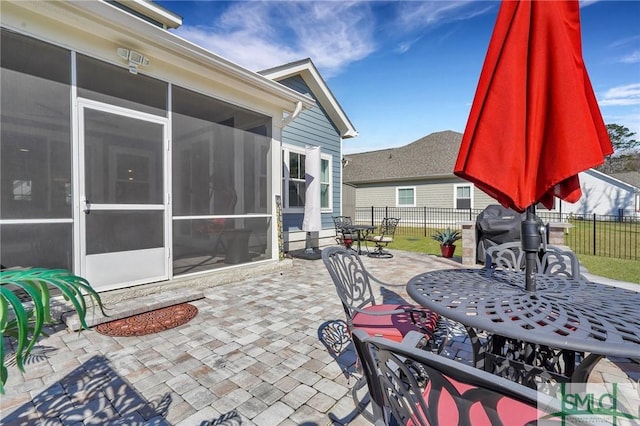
(309, 73)
(118, 26)
(403, 179)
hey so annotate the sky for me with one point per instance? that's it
(402, 70)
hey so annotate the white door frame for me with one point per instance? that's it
(127, 260)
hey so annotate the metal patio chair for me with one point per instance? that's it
(383, 236)
(343, 236)
(409, 386)
(552, 260)
(392, 321)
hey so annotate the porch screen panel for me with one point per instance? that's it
(217, 169)
(220, 157)
(45, 245)
(123, 160)
(35, 153)
(115, 85)
(36, 134)
(116, 231)
(206, 244)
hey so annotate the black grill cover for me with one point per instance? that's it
(497, 225)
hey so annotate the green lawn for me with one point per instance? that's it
(617, 269)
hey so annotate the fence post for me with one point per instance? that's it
(594, 234)
(424, 222)
(372, 215)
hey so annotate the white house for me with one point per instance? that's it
(604, 194)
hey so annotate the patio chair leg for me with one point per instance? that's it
(362, 404)
(380, 252)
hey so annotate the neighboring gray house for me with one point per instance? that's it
(324, 125)
(415, 175)
(421, 174)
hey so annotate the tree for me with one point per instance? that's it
(621, 138)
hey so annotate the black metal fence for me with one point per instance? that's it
(615, 236)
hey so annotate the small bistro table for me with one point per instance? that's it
(362, 231)
(542, 333)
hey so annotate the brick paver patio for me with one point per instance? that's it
(251, 356)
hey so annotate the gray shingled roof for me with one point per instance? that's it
(632, 178)
(431, 156)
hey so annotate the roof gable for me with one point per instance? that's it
(312, 78)
(429, 157)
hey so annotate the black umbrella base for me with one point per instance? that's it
(315, 254)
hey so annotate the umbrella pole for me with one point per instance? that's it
(308, 249)
(531, 239)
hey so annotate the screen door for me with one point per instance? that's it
(122, 193)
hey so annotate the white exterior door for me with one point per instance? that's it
(124, 205)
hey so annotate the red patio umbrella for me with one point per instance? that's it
(535, 122)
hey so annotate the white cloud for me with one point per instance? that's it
(260, 35)
(428, 13)
(416, 16)
(632, 58)
(585, 3)
(622, 96)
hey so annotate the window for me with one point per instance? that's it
(325, 184)
(463, 196)
(293, 179)
(406, 197)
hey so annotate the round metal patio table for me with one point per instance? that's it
(563, 313)
(362, 231)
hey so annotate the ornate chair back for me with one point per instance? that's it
(343, 237)
(350, 278)
(385, 233)
(507, 256)
(557, 261)
(554, 260)
(392, 321)
(353, 285)
(410, 386)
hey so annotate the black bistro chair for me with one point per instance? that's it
(551, 260)
(392, 321)
(344, 237)
(383, 236)
(410, 386)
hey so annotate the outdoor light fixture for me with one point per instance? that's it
(133, 58)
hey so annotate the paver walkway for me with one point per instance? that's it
(252, 356)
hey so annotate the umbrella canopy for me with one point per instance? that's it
(534, 123)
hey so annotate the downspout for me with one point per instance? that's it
(289, 118)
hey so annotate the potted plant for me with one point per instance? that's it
(447, 238)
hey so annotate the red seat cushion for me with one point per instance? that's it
(392, 327)
(510, 411)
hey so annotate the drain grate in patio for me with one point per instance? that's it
(149, 322)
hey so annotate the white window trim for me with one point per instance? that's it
(398, 188)
(286, 149)
(455, 193)
(329, 158)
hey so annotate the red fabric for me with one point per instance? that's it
(534, 123)
(392, 327)
(510, 411)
